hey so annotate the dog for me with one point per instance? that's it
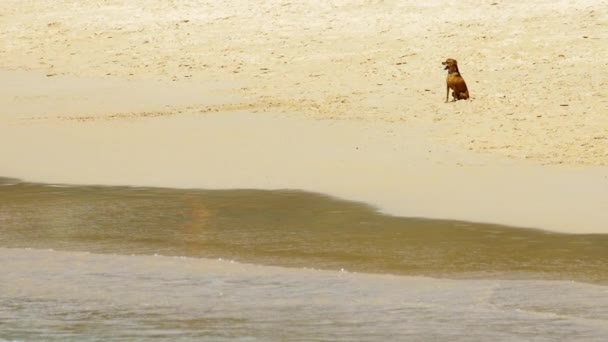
(455, 81)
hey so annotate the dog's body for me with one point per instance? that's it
(455, 81)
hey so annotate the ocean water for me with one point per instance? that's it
(92, 263)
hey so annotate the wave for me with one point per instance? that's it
(116, 297)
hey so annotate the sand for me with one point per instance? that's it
(340, 97)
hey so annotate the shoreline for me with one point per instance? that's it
(396, 167)
(274, 169)
(343, 98)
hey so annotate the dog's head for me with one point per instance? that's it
(450, 64)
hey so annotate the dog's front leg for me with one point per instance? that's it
(447, 93)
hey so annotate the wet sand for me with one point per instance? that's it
(214, 143)
(343, 98)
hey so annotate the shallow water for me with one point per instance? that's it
(61, 296)
(140, 268)
(286, 228)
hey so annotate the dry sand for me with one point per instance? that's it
(341, 97)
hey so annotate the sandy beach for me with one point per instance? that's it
(340, 97)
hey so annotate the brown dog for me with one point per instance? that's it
(455, 81)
